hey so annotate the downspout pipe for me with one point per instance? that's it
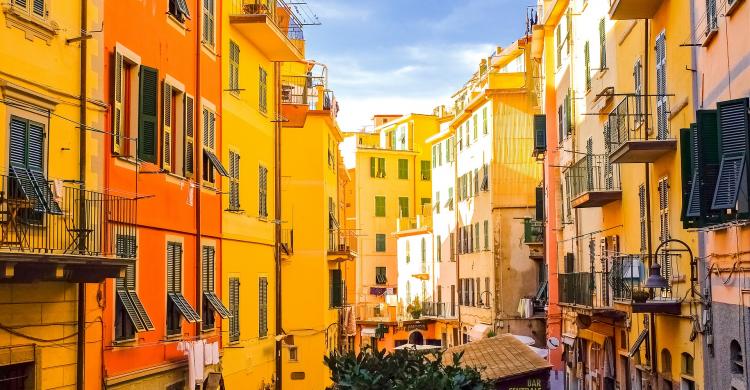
(198, 175)
(81, 320)
(277, 216)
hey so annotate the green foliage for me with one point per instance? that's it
(401, 370)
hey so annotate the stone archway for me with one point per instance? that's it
(416, 338)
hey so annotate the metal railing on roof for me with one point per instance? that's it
(278, 11)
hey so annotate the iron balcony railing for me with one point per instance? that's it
(340, 240)
(39, 216)
(628, 121)
(592, 173)
(277, 11)
(533, 231)
(374, 312)
(311, 91)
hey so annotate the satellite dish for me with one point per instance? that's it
(553, 343)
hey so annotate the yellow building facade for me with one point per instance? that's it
(254, 41)
(50, 313)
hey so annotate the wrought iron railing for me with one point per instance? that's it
(52, 218)
(533, 231)
(592, 173)
(278, 11)
(340, 240)
(628, 121)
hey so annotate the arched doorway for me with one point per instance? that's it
(416, 338)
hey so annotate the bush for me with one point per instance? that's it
(402, 369)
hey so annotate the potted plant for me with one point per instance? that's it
(415, 309)
(640, 295)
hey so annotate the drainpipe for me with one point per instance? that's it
(277, 214)
(198, 175)
(81, 322)
(457, 236)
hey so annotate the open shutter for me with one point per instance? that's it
(118, 121)
(189, 160)
(336, 288)
(733, 144)
(686, 169)
(148, 114)
(540, 133)
(372, 166)
(539, 204)
(662, 108)
(705, 160)
(166, 158)
(602, 44)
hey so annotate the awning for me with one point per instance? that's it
(216, 163)
(479, 331)
(637, 345)
(217, 305)
(367, 332)
(184, 307)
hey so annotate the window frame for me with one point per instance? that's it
(262, 90)
(380, 242)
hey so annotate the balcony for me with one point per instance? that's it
(629, 133)
(340, 245)
(270, 25)
(413, 223)
(628, 274)
(52, 232)
(533, 232)
(593, 182)
(633, 9)
(375, 312)
(439, 310)
(301, 94)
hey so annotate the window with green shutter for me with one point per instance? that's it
(449, 202)
(476, 237)
(234, 67)
(734, 143)
(130, 314)
(377, 167)
(602, 43)
(476, 127)
(484, 121)
(262, 306)
(380, 275)
(425, 172)
(336, 288)
(234, 180)
(262, 191)
(438, 248)
(434, 155)
(380, 242)
(403, 168)
(380, 206)
(403, 206)
(425, 205)
(705, 158)
(148, 113)
(234, 308)
(587, 64)
(486, 235)
(262, 90)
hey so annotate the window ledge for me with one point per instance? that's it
(173, 337)
(710, 35)
(177, 24)
(124, 343)
(32, 25)
(733, 7)
(209, 50)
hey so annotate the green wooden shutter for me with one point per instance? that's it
(587, 64)
(381, 167)
(403, 168)
(438, 249)
(166, 108)
(372, 166)
(733, 144)
(686, 170)
(336, 284)
(662, 106)
(380, 206)
(403, 206)
(262, 306)
(602, 44)
(706, 160)
(17, 142)
(540, 133)
(486, 234)
(234, 308)
(148, 114)
(189, 129)
(380, 242)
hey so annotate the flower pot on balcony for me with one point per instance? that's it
(640, 296)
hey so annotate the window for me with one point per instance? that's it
(262, 90)
(587, 64)
(174, 121)
(438, 248)
(262, 191)
(403, 206)
(486, 235)
(664, 209)
(177, 305)
(449, 149)
(642, 214)
(234, 67)
(602, 44)
(380, 206)
(450, 198)
(638, 88)
(210, 161)
(209, 23)
(662, 106)
(666, 362)
(380, 275)
(18, 376)
(735, 358)
(188, 160)
(293, 353)
(687, 364)
(453, 246)
(407, 250)
(377, 167)
(337, 288)
(33, 7)
(434, 155)
(26, 159)
(476, 237)
(262, 306)
(125, 106)
(148, 114)
(179, 9)
(712, 20)
(234, 308)
(423, 251)
(437, 202)
(130, 315)
(403, 168)
(234, 180)
(484, 121)
(211, 303)
(425, 173)
(476, 127)
(380, 242)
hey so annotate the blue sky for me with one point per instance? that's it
(403, 56)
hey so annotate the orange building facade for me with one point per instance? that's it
(163, 86)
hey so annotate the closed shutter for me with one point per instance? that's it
(234, 66)
(372, 166)
(484, 120)
(476, 237)
(17, 150)
(166, 158)
(664, 209)
(637, 71)
(706, 158)
(403, 206)
(336, 287)
(486, 235)
(609, 179)
(539, 214)
(39, 8)
(403, 168)
(380, 206)
(733, 144)
(148, 114)
(587, 64)
(712, 20)
(118, 121)
(174, 267)
(686, 171)
(189, 161)
(212, 130)
(381, 167)
(540, 133)
(208, 273)
(453, 246)
(602, 44)
(642, 214)
(662, 109)
(262, 191)
(208, 22)
(262, 307)
(570, 262)
(566, 116)
(234, 308)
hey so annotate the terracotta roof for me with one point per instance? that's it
(499, 357)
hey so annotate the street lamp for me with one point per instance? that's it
(655, 278)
